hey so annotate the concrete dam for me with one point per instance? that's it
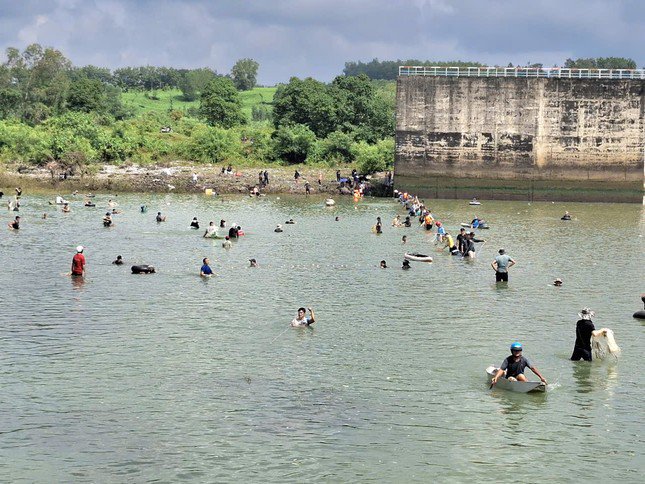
(523, 134)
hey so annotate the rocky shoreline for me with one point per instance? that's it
(179, 179)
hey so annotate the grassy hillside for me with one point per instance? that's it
(139, 101)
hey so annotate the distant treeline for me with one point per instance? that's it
(70, 118)
(389, 70)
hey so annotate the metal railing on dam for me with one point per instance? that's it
(523, 72)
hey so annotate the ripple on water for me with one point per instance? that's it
(169, 377)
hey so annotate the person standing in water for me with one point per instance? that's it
(379, 226)
(160, 218)
(78, 262)
(211, 230)
(383, 264)
(15, 223)
(206, 270)
(584, 328)
(501, 265)
(194, 224)
(107, 219)
(301, 320)
(227, 243)
(450, 244)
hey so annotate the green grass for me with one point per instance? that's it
(138, 103)
(258, 96)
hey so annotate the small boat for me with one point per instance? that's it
(417, 257)
(484, 227)
(515, 386)
(330, 202)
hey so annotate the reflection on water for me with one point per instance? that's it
(582, 376)
(168, 376)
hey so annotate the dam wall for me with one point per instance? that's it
(565, 136)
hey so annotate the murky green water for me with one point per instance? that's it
(169, 378)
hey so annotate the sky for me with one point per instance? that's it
(316, 37)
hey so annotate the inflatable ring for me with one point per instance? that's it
(143, 269)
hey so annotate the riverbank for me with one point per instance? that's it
(179, 178)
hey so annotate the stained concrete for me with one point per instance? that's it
(552, 130)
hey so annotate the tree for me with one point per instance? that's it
(360, 110)
(601, 63)
(293, 143)
(193, 82)
(220, 104)
(305, 102)
(42, 78)
(86, 95)
(376, 69)
(376, 157)
(244, 74)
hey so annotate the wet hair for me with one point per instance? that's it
(203, 260)
(302, 309)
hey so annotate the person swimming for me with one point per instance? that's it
(406, 265)
(278, 228)
(253, 263)
(383, 265)
(118, 261)
(290, 222)
(566, 216)
(194, 224)
(107, 220)
(160, 218)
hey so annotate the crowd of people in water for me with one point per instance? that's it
(463, 245)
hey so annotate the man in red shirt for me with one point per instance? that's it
(78, 262)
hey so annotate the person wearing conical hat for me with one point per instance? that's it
(584, 328)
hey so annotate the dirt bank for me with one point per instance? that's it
(179, 178)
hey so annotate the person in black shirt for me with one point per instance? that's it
(461, 240)
(15, 224)
(232, 232)
(584, 327)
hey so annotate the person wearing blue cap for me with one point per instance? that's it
(514, 365)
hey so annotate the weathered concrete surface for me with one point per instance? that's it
(521, 129)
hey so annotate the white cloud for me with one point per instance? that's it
(316, 37)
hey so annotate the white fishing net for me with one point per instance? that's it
(603, 344)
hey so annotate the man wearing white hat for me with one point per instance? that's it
(584, 328)
(78, 262)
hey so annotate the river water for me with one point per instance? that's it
(168, 377)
